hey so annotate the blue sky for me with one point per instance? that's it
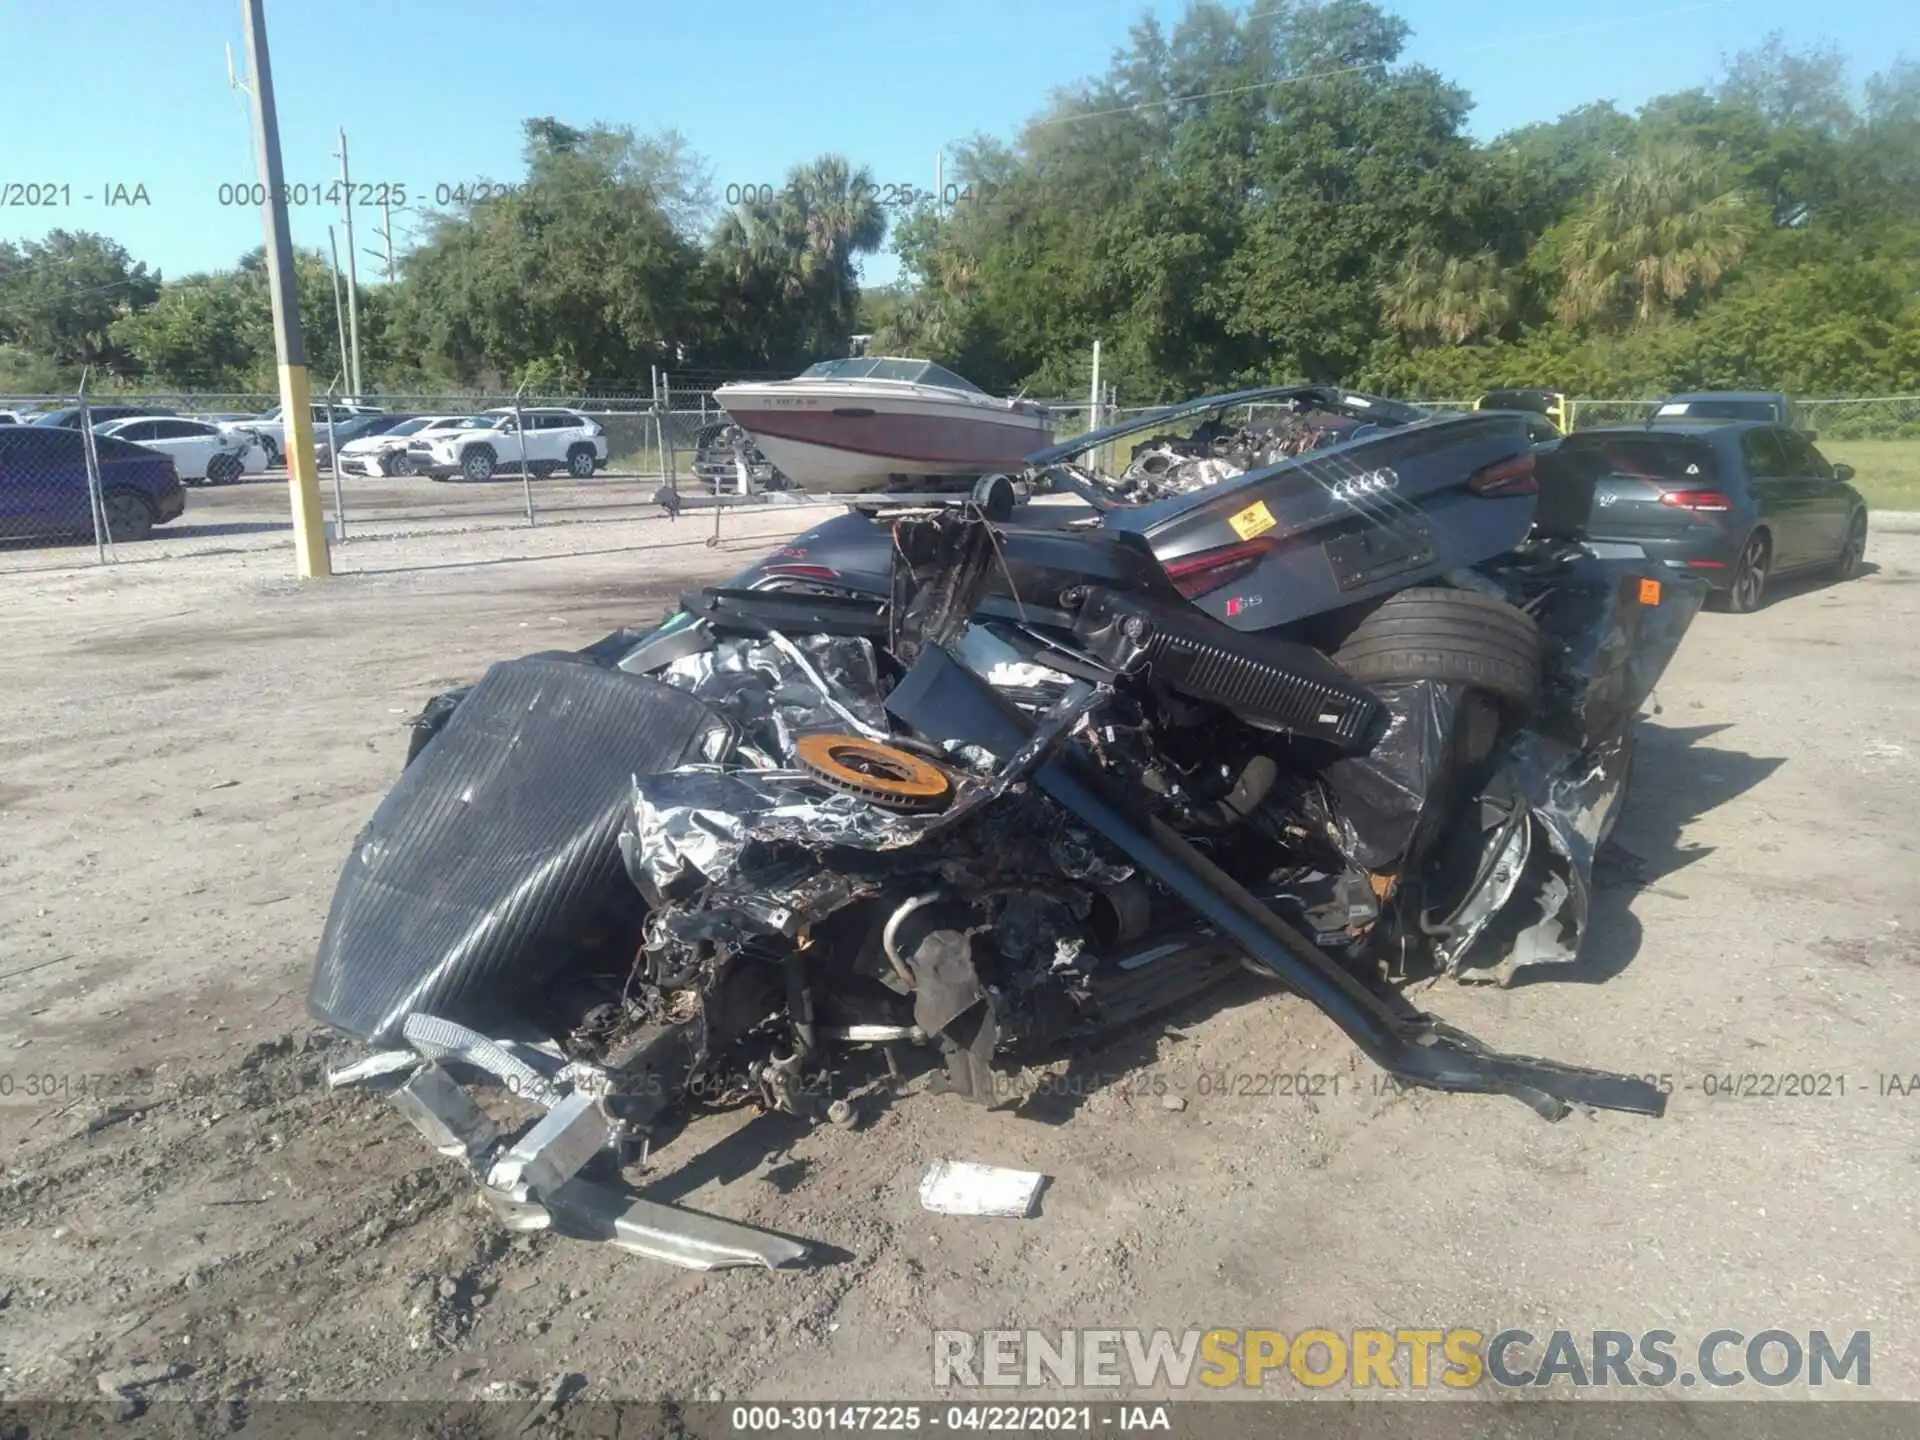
(104, 93)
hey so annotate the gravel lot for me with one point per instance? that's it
(191, 743)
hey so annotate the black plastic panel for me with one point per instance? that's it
(1280, 682)
(492, 868)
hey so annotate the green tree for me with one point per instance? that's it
(214, 331)
(1454, 298)
(789, 264)
(60, 298)
(1663, 228)
(584, 267)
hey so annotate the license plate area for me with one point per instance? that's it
(1379, 552)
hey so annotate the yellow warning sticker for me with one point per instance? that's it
(1256, 519)
(1649, 592)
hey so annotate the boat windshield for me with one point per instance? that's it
(878, 367)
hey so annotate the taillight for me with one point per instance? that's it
(1512, 476)
(1696, 500)
(1202, 574)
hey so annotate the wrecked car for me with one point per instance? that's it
(1359, 713)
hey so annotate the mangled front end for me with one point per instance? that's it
(728, 861)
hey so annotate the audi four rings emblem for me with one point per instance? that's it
(1368, 482)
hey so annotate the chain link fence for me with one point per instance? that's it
(212, 465)
(190, 466)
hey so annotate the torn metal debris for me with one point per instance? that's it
(1345, 718)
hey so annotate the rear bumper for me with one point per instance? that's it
(1711, 555)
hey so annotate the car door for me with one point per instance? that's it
(190, 444)
(1777, 493)
(566, 431)
(573, 429)
(1826, 506)
(539, 437)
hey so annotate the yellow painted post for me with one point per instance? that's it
(296, 409)
(303, 475)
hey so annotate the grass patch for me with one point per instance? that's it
(645, 460)
(1887, 472)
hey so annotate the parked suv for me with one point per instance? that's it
(491, 441)
(384, 452)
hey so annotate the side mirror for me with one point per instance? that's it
(1843, 473)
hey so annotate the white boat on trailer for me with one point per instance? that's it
(884, 424)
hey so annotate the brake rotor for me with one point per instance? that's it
(879, 774)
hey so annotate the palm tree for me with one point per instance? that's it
(832, 210)
(1454, 298)
(798, 249)
(1663, 228)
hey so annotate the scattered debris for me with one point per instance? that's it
(117, 1383)
(960, 1187)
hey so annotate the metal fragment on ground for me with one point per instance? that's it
(436, 1106)
(374, 1067)
(960, 1187)
(554, 1150)
(587, 1211)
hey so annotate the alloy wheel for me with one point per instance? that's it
(1750, 580)
(1854, 550)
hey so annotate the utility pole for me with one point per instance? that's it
(1093, 394)
(386, 230)
(339, 312)
(296, 396)
(353, 269)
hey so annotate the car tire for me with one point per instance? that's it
(1748, 592)
(541, 469)
(1853, 549)
(1459, 637)
(478, 463)
(580, 462)
(224, 469)
(270, 453)
(130, 515)
(398, 466)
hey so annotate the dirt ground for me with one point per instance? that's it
(189, 745)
